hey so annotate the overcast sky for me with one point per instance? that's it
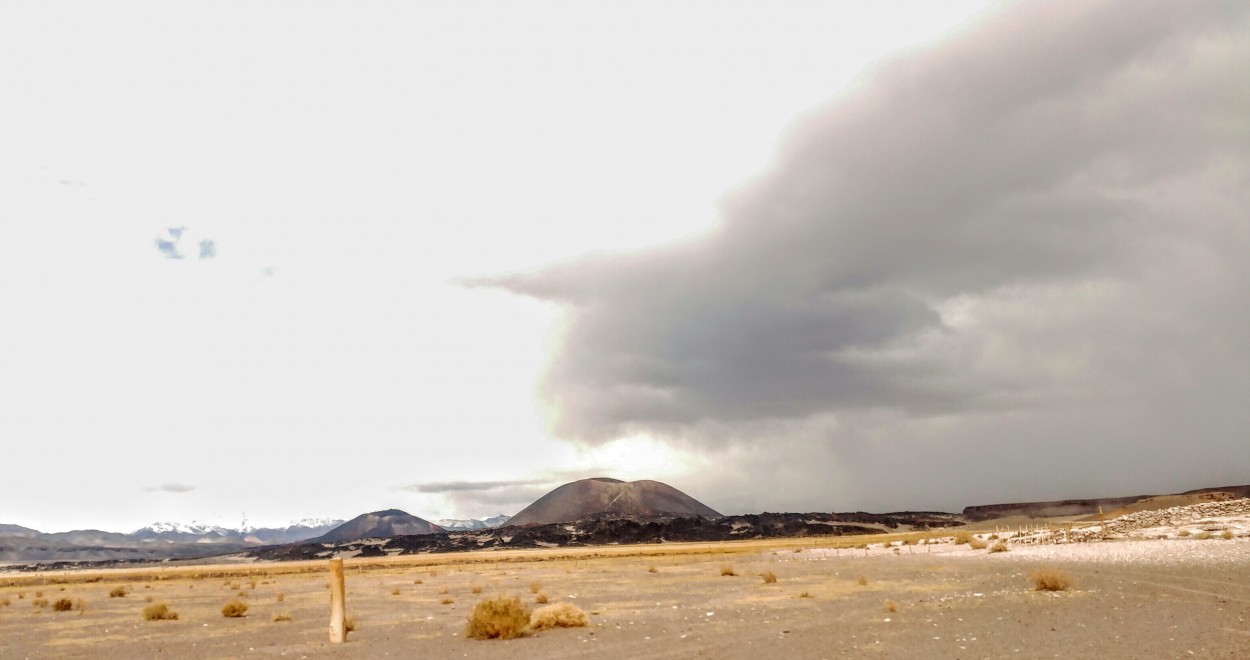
(284, 260)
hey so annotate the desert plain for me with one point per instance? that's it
(903, 595)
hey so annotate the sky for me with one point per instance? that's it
(269, 261)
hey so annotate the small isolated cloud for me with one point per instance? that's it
(168, 248)
(170, 487)
(169, 244)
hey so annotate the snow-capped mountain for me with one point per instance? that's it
(196, 532)
(453, 525)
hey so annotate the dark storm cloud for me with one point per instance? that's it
(1043, 219)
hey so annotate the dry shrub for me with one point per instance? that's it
(1226, 534)
(349, 624)
(281, 617)
(395, 591)
(234, 609)
(1203, 536)
(535, 587)
(806, 594)
(727, 571)
(652, 569)
(1183, 533)
(447, 601)
(976, 543)
(477, 589)
(80, 605)
(861, 580)
(417, 581)
(962, 537)
(560, 615)
(118, 592)
(38, 594)
(1049, 579)
(62, 605)
(443, 590)
(39, 602)
(999, 546)
(541, 598)
(5, 602)
(502, 617)
(159, 612)
(891, 606)
(769, 577)
(281, 596)
(148, 598)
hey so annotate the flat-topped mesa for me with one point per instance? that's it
(1109, 505)
(606, 497)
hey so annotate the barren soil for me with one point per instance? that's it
(1131, 599)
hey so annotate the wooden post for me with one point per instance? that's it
(338, 609)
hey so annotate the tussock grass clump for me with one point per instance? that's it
(962, 537)
(349, 624)
(1203, 536)
(159, 612)
(502, 617)
(890, 606)
(234, 609)
(976, 543)
(560, 615)
(540, 598)
(1183, 533)
(861, 580)
(652, 569)
(62, 605)
(148, 598)
(282, 616)
(769, 577)
(1227, 534)
(418, 581)
(395, 591)
(446, 601)
(477, 589)
(727, 571)
(535, 587)
(5, 602)
(999, 546)
(806, 594)
(1049, 579)
(280, 597)
(39, 602)
(118, 592)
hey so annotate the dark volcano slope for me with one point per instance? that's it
(379, 524)
(611, 498)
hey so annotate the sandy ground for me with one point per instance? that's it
(1131, 599)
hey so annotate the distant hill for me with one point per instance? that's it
(604, 497)
(379, 524)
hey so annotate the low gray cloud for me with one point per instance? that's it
(467, 486)
(1025, 243)
(170, 487)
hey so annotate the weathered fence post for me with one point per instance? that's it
(338, 609)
